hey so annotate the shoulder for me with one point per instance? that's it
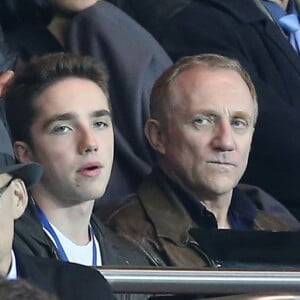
(130, 209)
(270, 210)
(130, 219)
(115, 248)
(29, 236)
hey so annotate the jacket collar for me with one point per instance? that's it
(164, 207)
(165, 211)
(245, 11)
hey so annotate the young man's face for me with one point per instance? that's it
(72, 139)
(209, 130)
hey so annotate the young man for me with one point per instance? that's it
(59, 114)
(67, 281)
(203, 114)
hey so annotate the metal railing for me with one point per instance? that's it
(213, 282)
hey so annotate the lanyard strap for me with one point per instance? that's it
(59, 246)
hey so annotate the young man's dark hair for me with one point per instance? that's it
(33, 78)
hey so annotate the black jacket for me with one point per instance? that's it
(65, 280)
(239, 29)
(31, 239)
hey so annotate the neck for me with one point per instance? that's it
(5, 264)
(58, 27)
(73, 221)
(282, 3)
(219, 206)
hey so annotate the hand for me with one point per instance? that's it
(6, 79)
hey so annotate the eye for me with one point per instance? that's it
(201, 121)
(61, 129)
(100, 124)
(239, 123)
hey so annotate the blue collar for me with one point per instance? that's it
(277, 12)
(46, 225)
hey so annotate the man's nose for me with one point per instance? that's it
(87, 142)
(224, 139)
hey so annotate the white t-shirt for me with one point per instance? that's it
(12, 274)
(77, 254)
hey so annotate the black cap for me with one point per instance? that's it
(30, 173)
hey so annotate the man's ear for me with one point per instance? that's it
(23, 152)
(155, 135)
(20, 198)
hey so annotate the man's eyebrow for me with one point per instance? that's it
(60, 117)
(72, 116)
(236, 113)
(100, 113)
(206, 112)
(242, 114)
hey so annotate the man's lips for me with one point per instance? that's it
(90, 169)
(222, 163)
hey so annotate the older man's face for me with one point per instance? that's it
(6, 225)
(209, 130)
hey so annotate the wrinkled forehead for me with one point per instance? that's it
(200, 88)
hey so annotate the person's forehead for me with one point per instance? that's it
(70, 94)
(201, 74)
(210, 87)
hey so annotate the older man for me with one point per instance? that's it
(203, 114)
(67, 281)
(261, 35)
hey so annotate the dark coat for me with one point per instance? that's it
(65, 280)
(31, 239)
(158, 222)
(239, 29)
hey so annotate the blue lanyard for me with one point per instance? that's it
(59, 246)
